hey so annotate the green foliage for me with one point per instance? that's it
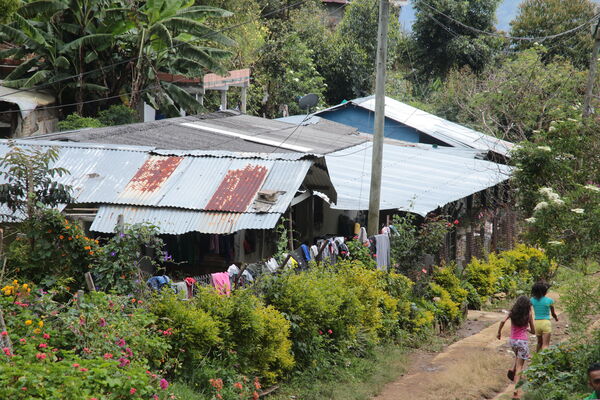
(446, 277)
(447, 311)
(52, 248)
(75, 121)
(483, 276)
(8, 7)
(512, 100)
(538, 18)
(284, 73)
(361, 253)
(31, 180)
(62, 38)
(511, 272)
(579, 298)
(557, 188)
(119, 268)
(411, 241)
(560, 373)
(224, 335)
(117, 114)
(441, 44)
(73, 350)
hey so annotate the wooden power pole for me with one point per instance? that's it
(377, 158)
(587, 106)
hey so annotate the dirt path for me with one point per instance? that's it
(472, 368)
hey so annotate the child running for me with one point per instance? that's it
(521, 318)
(542, 306)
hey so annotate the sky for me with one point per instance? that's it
(507, 10)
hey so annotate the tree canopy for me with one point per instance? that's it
(538, 18)
(440, 44)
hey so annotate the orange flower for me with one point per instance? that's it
(70, 238)
(87, 248)
(67, 227)
(76, 236)
(91, 253)
(61, 237)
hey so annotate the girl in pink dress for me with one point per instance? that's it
(521, 318)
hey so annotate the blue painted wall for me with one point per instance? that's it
(362, 120)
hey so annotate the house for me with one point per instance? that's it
(195, 197)
(25, 112)
(410, 124)
(418, 178)
(335, 11)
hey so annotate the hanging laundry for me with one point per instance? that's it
(190, 282)
(220, 281)
(382, 243)
(306, 252)
(233, 270)
(314, 252)
(272, 265)
(158, 282)
(362, 236)
(356, 228)
(343, 250)
(180, 289)
(385, 230)
(247, 276)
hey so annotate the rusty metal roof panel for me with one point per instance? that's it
(176, 222)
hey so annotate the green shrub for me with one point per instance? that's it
(195, 334)
(258, 334)
(532, 261)
(447, 311)
(52, 248)
(75, 121)
(446, 278)
(483, 276)
(473, 299)
(117, 114)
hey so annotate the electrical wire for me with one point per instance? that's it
(110, 66)
(516, 38)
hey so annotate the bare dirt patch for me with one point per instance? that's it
(471, 368)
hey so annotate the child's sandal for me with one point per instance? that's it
(510, 374)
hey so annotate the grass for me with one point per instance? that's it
(351, 379)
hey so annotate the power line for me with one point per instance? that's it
(207, 36)
(518, 38)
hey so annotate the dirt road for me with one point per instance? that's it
(472, 368)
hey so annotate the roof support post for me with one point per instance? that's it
(243, 99)
(224, 99)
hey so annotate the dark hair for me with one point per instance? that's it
(539, 289)
(594, 367)
(519, 313)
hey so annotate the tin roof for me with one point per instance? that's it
(221, 131)
(26, 100)
(220, 185)
(413, 178)
(448, 132)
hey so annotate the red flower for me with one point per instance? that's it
(83, 369)
(107, 356)
(4, 333)
(46, 336)
(75, 365)
(132, 390)
(164, 384)
(255, 396)
(424, 270)
(238, 385)
(455, 222)
(6, 351)
(43, 345)
(24, 388)
(23, 340)
(330, 331)
(320, 332)
(40, 356)
(256, 384)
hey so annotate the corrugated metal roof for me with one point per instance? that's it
(446, 131)
(413, 179)
(135, 178)
(26, 100)
(177, 222)
(264, 135)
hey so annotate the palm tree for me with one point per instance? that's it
(80, 48)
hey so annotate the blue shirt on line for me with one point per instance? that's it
(541, 307)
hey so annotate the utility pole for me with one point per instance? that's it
(377, 157)
(587, 107)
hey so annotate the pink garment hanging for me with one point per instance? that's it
(220, 281)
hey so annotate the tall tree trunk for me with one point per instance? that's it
(137, 78)
(80, 83)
